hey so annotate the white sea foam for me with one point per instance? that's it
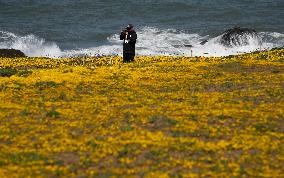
(31, 45)
(151, 41)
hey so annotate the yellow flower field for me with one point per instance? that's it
(156, 117)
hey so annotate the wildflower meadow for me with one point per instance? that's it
(159, 116)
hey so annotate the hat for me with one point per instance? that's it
(129, 26)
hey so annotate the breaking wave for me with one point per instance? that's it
(31, 45)
(151, 41)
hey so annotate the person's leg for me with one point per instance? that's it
(131, 59)
(125, 57)
(128, 57)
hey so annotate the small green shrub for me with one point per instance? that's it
(53, 113)
(46, 84)
(24, 73)
(8, 72)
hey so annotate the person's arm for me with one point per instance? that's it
(122, 35)
(133, 38)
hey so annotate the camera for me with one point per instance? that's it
(124, 32)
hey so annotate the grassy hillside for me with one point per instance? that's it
(156, 117)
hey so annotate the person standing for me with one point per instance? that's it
(129, 38)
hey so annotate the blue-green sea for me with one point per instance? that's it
(91, 27)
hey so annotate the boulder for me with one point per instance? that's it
(204, 42)
(238, 36)
(11, 53)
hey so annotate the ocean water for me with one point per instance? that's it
(91, 27)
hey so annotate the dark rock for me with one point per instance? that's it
(188, 45)
(277, 48)
(203, 42)
(11, 53)
(237, 36)
(184, 45)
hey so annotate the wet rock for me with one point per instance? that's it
(277, 48)
(11, 53)
(238, 36)
(188, 45)
(204, 42)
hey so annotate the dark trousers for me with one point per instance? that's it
(128, 57)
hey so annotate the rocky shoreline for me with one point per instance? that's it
(11, 53)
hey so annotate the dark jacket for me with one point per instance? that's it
(129, 41)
